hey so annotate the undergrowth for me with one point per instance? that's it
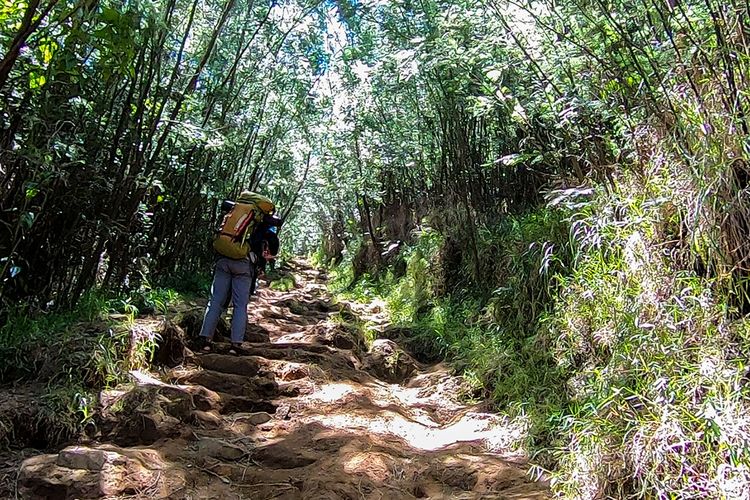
(490, 333)
(628, 367)
(69, 356)
(658, 403)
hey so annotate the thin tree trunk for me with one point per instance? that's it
(193, 82)
(28, 26)
(289, 207)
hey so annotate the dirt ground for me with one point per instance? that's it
(306, 411)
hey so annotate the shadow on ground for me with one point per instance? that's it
(307, 411)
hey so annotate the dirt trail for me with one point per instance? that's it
(305, 412)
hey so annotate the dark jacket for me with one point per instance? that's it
(264, 237)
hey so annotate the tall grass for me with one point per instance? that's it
(593, 322)
(658, 407)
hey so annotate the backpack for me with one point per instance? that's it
(238, 224)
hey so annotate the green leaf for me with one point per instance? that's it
(47, 49)
(36, 80)
(27, 219)
(110, 15)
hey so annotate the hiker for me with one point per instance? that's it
(264, 244)
(233, 273)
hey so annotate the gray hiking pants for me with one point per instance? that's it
(230, 276)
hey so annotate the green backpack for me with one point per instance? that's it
(233, 238)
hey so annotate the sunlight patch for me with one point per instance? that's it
(332, 392)
(491, 431)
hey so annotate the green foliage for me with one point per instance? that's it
(187, 284)
(612, 319)
(283, 283)
(146, 300)
(127, 123)
(413, 293)
(75, 354)
(22, 326)
(64, 411)
(656, 364)
(628, 370)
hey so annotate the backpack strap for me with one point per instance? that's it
(245, 224)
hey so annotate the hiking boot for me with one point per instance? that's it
(206, 344)
(236, 349)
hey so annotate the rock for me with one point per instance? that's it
(256, 418)
(191, 321)
(274, 312)
(234, 404)
(246, 365)
(283, 411)
(191, 395)
(171, 347)
(324, 306)
(338, 336)
(217, 448)
(146, 429)
(396, 333)
(76, 457)
(256, 334)
(208, 419)
(93, 472)
(205, 399)
(229, 383)
(283, 456)
(298, 308)
(247, 423)
(342, 340)
(291, 371)
(388, 362)
(146, 414)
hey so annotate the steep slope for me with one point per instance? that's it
(304, 412)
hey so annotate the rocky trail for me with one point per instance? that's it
(306, 411)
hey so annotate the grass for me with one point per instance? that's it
(74, 354)
(658, 403)
(628, 367)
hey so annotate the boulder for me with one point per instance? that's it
(283, 456)
(191, 321)
(98, 471)
(246, 366)
(388, 362)
(256, 334)
(171, 347)
(236, 385)
(255, 418)
(338, 336)
(207, 419)
(146, 413)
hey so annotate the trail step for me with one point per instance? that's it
(305, 411)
